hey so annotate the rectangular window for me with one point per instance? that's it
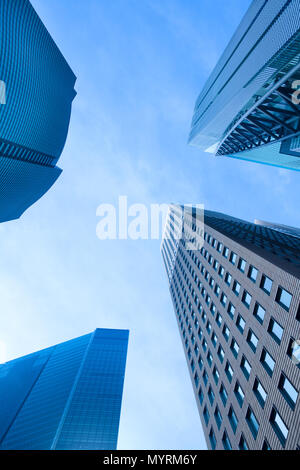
(236, 288)
(252, 422)
(240, 396)
(275, 330)
(284, 298)
(233, 257)
(223, 394)
(259, 313)
(229, 371)
(288, 391)
(206, 415)
(201, 395)
(228, 279)
(243, 444)
(240, 323)
(259, 392)
(226, 442)
(218, 417)
(252, 273)
(211, 395)
(234, 348)
(221, 353)
(267, 361)
(231, 310)
(252, 340)
(212, 439)
(225, 252)
(242, 265)
(223, 299)
(219, 319)
(216, 375)
(246, 299)
(217, 290)
(246, 367)
(226, 332)
(233, 419)
(279, 426)
(266, 284)
(221, 271)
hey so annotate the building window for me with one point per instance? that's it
(211, 395)
(219, 319)
(209, 358)
(204, 345)
(233, 419)
(201, 395)
(233, 257)
(213, 309)
(208, 327)
(228, 279)
(246, 367)
(229, 371)
(212, 439)
(218, 417)
(252, 422)
(206, 415)
(226, 332)
(243, 444)
(193, 365)
(279, 426)
(240, 323)
(223, 299)
(284, 298)
(221, 271)
(219, 248)
(266, 445)
(242, 265)
(196, 378)
(288, 391)
(221, 353)
(214, 339)
(246, 299)
(259, 313)
(225, 252)
(216, 375)
(236, 288)
(223, 394)
(231, 310)
(234, 348)
(275, 330)
(253, 273)
(201, 363)
(267, 361)
(252, 340)
(217, 290)
(259, 392)
(205, 377)
(240, 396)
(266, 284)
(226, 442)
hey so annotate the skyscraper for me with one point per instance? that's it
(237, 301)
(65, 397)
(249, 107)
(36, 94)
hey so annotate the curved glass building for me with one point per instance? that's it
(249, 106)
(37, 90)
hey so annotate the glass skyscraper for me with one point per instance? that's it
(249, 106)
(236, 295)
(65, 397)
(37, 90)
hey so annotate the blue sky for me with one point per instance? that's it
(140, 66)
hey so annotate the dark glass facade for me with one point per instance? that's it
(65, 397)
(236, 295)
(35, 111)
